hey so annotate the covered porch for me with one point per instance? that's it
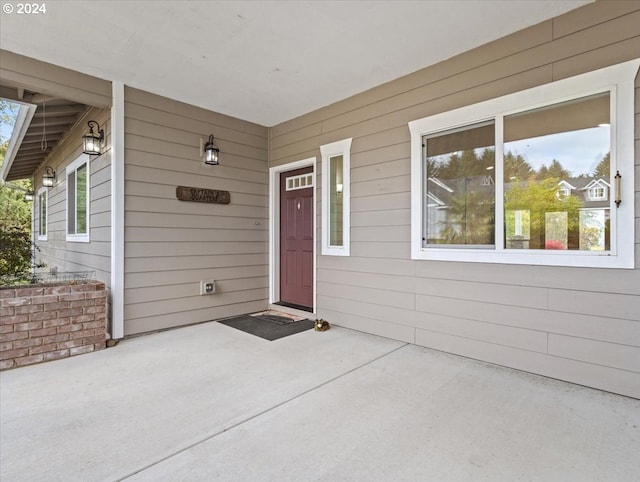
(208, 402)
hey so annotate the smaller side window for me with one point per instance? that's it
(78, 200)
(43, 213)
(336, 192)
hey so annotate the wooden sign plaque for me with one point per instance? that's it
(201, 195)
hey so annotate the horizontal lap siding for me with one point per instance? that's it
(172, 245)
(56, 252)
(576, 324)
(59, 82)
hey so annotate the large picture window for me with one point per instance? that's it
(78, 200)
(527, 178)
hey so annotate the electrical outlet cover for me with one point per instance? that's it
(207, 287)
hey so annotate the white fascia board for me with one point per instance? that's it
(23, 120)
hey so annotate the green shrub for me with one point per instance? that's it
(16, 250)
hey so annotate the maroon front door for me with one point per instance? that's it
(296, 237)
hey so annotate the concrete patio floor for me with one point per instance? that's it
(208, 402)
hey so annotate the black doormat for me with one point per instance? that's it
(269, 327)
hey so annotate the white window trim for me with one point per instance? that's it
(593, 193)
(43, 191)
(619, 81)
(79, 161)
(338, 148)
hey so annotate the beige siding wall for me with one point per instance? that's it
(581, 325)
(56, 251)
(56, 81)
(171, 245)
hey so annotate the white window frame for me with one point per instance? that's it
(72, 168)
(618, 80)
(595, 196)
(43, 192)
(338, 148)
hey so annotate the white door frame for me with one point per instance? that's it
(274, 225)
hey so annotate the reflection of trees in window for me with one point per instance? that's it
(471, 211)
(463, 164)
(42, 198)
(555, 170)
(463, 180)
(539, 198)
(77, 199)
(81, 205)
(536, 217)
(517, 167)
(603, 168)
(594, 229)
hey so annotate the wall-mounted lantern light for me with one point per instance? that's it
(211, 153)
(92, 142)
(28, 196)
(49, 177)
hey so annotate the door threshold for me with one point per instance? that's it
(292, 309)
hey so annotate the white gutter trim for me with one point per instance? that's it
(117, 211)
(23, 120)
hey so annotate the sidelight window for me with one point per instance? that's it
(335, 197)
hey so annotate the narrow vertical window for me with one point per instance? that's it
(78, 200)
(81, 200)
(43, 213)
(336, 197)
(336, 187)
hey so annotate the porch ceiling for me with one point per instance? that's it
(53, 119)
(266, 62)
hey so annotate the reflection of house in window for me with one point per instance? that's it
(578, 219)
(437, 208)
(436, 215)
(597, 190)
(565, 189)
(593, 223)
(585, 188)
(487, 181)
